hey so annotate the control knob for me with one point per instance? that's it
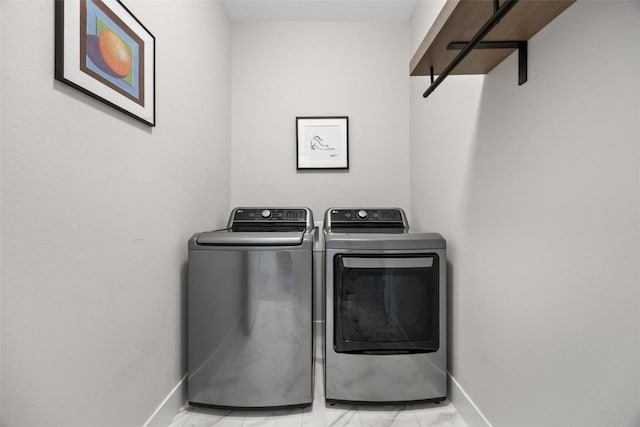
(266, 213)
(362, 214)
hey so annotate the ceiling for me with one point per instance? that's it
(320, 10)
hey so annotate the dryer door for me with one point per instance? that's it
(386, 304)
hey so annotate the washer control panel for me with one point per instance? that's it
(269, 214)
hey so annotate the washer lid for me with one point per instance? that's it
(242, 238)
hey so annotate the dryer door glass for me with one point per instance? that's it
(386, 304)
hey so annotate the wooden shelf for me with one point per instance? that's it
(460, 20)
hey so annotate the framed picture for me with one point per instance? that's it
(105, 52)
(322, 142)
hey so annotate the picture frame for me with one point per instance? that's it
(322, 142)
(104, 51)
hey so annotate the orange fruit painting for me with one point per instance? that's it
(112, 54)
(115, 52)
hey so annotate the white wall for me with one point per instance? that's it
(1, 317)
(96, 212)
(536, 190)
(284, 70)
(423, 16)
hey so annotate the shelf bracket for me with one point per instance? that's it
(520, 45)
(499, 13)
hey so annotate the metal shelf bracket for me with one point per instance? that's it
(476, 43)
(520, 45)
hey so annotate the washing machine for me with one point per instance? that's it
(385, 329)
(249, 305)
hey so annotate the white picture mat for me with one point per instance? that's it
(322, 142)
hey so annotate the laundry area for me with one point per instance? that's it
(315, 213)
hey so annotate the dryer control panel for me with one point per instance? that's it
(366, 217)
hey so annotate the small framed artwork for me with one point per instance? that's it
(322, 142)
(105, 52)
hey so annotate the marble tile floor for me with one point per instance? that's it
(321, 414)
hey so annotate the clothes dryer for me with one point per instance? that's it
(385, 337)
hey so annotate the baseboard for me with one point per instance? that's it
(170, 406)
(468, 410)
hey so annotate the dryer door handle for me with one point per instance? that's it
(386, 262)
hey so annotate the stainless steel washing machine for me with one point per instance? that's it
(385, 337)
(250, 340)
